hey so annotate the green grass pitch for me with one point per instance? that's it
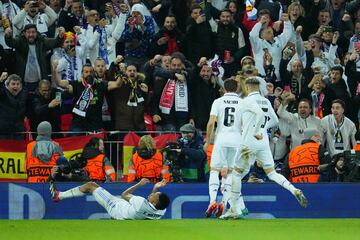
(290, 229)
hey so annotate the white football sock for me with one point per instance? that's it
(227, 189)
(235, 189)
(213, 185)
(74, 192)
(282, 181)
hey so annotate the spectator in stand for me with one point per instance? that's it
(169, 39)
(313, 57)
(305, 162)
(72, 15)
(12, 107)
(102, 74)
(31, 48)
(130, 100)
(46, 106)
(340, 88)
(97, 31)
(297, 16)
(56, 6)
(6, 51)
(236, 13)
(88, 95)
(248, 69)
(9, 9)
(351, 72)
(172, 106)
(199, 38)
(31, 14)
(299, 121)
(274, 8)
(138, 33)
(98, 166)
(229, 42)
(41, 155)
(337, 131)
(320, 95)
(262, 39)
(147, 162)
(296, 79)
(72, 55)
(205, 83)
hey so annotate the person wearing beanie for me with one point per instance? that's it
(42, 154)
(190, 154)
(305, 162)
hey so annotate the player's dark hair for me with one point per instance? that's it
(230, 85)
(163, 202)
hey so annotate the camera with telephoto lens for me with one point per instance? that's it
(72, 165)
(352, 157)
(172, 160)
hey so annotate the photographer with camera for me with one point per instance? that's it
(42, 154)
(190, 158)
(98, 166)
(69, 171)
(343, 168)
(147, 162)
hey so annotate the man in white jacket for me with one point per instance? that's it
(299, 121)
(30, 14)
(337, 131)
(262, 39)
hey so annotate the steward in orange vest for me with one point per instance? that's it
(98, 167)
(42, 154)
(304, 161)
(148, 166)
(147, 162)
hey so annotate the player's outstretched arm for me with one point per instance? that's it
(127, 194)
(159, 185)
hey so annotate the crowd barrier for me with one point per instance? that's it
(118, 148)
(333, 200)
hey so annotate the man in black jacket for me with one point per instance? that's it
(46, 107)
(12, 108)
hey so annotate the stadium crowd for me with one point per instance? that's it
(110, 64)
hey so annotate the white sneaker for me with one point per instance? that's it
(230, 214)
(301, 198)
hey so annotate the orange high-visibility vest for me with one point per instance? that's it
(356, 147)
(37, 170)
(304, 162)
(152, 169)
(209, 153)
(97, 170)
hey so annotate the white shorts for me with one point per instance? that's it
(263, 155)
(115, 206)
(229, 154)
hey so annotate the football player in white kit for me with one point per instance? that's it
(226, 113)
(126, 207)
(255, 146)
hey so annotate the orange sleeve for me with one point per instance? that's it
(165, 173)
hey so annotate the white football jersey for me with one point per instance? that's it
(271, 120)
(227, 109)
(140, 208)
(269, 117)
